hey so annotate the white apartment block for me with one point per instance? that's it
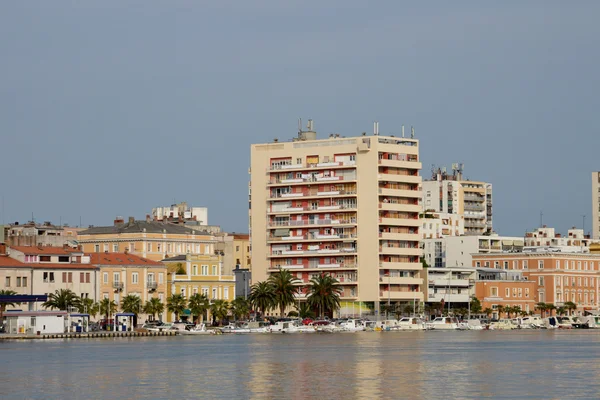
(574, 242)
(182, 211)
(438, 225)
(346, 206)
(452, 194)
(596, 205)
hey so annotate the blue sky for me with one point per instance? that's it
(111, 108)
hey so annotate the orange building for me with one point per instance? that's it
(495, 288)
(557, 277)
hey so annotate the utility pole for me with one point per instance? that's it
(541, 219)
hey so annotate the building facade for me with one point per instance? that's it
(36, 270)
(33, 234)
(495, 288)
(452, 194)
(123, 274)
(596, 205)
(575, 241)
(148, 239)
(450, 285)
(198, 274)
(348, 207)
(437, 225)
(181, 212)
(558, 277)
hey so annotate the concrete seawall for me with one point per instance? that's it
(90, 335)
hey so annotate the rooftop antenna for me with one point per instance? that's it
(402, 130)
(412, 132)
(299, 124)
(541, 219)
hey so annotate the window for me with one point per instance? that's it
(117, 298)
(578, 281)
(557, 264)
(135, 277)
(105, 277)
(183, 292)
(214, 270)
(63, 259)
(18, 281)
(158, 247)
(507, 291)
(505, 264)
(566, 265)
(116, 277)
(487, 264)
(496, 265)
(87, 277)
(161, 277)
(586, 282)
(7, 281)
(97, 248)
(49, 277)
(24, 281)
(541, 264)
(526, 292)
(515, 264)
(494, 292)
(477, 264)
(237, 248)
(541, 280)
(45, 259)
(194, 269)
(82, 277)
(585, 266)
(205, 291)
(226, 293)
(579, 265)
(115, 248)
(149, 247)
(204, 270)
(161, 297)
(132, 247)
(520, 292)
(106, 248)
(525, 266)
(214, 293)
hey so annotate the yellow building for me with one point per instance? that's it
(241, 250)
(198, 273)
(154, 240)
(122, 274)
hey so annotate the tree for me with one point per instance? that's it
(569, 305)
(542, 307)
(262, 296)
(62, 299)
(154, 306)
(240, 308)
(475, 305)
(132, 304)
(501, 310)
(107, 307)
(176, 304)
(88, 306)
(284, 289)
(550, 307)
(219, 310)
(488, 312)
(7, 304)
(198, 304)
(561, 310)
(429, 309)
(305, 311)
(324, 293)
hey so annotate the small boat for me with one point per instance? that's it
(502, 325)
(199, 329)
(529, 322)
(284, 327)
(352, 325)
(475, 325)
(592, 321)
(165, 326)
(445, 324)
(409, 324)
(251, 327)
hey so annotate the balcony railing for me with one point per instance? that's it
(152, 285)
(314, 222)
(118, 285)
(313, 165)
(313, 179)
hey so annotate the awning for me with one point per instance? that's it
(187, 311)
(507, 242)
(519, 243)
(281, 232)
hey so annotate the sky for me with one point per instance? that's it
(115, 107)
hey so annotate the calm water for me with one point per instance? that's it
(368, 365)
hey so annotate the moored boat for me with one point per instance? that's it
(444, 323)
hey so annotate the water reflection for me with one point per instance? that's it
(411, 365)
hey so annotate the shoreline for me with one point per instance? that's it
(90, 335)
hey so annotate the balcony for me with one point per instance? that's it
(293, 181)
(400, 164)
(450, 282)
(405, 266)
(413, 222)
(472, 197)
(400, 207)
(328, 265)
(400, 280)
(328, 165)
(415, 194)
(308, 252)
(400, 236)
(404, 251)
(309, 194)
(318, 222)
(118, 286)
(397, 295)
(151, 286)
(399, 178)
(448, 298)
(317, 267)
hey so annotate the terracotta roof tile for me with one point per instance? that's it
(8, 262)
(121, 259)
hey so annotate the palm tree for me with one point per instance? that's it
(428, 310)
(561, 310)
(176, 304)
(304, 311)
(569, 305)
(500, 309)
(132, 304)
(262, 296)
(324, 293)
(219, 310)
(284, 289)
(543, 307)
(240, 307)
(488, 312)
(88, 306)
(198, 304)
(107, 308)
(154, 306)
(62, 299)
(4, 305)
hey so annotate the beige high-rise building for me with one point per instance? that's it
(596, 205)
(452, 194)
(346, 206)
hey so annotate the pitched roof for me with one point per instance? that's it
(45, 250)
(8, 262)
(121, 259)
(140, 226)
(176, 258)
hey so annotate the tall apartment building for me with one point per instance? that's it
(348, 207)
(445, 193)
(596, 205)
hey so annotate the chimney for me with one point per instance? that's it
(118, 221)
(148, 218)
(2, 249)
(131, 220)
(126, 250)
